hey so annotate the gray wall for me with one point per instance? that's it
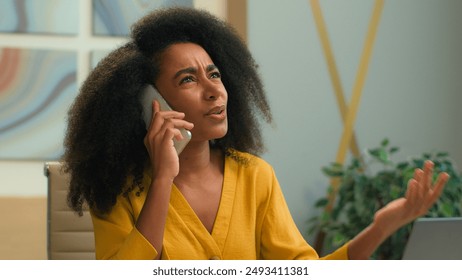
(412, 92)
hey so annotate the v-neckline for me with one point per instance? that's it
(223, 217)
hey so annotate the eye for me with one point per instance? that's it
(187, 79)
(215, 75)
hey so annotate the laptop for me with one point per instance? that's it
(435, 239)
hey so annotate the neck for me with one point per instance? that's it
(198, 159)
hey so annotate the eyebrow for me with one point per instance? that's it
(193, 70)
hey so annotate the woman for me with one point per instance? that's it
(217, 199)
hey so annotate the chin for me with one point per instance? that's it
(218, 132)
(219, 135)
(209, 133)
(223, 133)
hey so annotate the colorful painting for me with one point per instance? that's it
(39, 16)
(37, 85)
(36, 89)
(114, 17)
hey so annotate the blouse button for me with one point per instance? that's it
(214, 258)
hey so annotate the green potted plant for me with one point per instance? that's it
(367, 184)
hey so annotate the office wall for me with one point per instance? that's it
(412, 93)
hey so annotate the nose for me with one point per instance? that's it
(213, 90)
(211, 95)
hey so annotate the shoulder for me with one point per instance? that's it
(249, 161)
(250, 170)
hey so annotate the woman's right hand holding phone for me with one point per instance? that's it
(164, 127)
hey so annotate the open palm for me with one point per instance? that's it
(420, 196)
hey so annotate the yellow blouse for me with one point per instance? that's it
(253, 222)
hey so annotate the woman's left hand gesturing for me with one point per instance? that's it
(420, 196)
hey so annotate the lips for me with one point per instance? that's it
(218, 110)
(217, 114)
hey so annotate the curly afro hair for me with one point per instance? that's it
(104, 151)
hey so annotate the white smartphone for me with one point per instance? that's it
(147, 96)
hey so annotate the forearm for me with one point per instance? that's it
(152, 219)
(366, 242)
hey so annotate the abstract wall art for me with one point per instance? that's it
(114, 17)
(36, 90)
(39, 16)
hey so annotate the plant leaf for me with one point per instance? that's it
(383, 155)
(321, 202)
(442, 154)
(384, 142)
(447, 209)
(338, 239)
(332, 171)
(402, 165)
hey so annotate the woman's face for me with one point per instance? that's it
(191, 83)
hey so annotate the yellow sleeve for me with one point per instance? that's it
(339, 254)
(116, 236)
(280, 236)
